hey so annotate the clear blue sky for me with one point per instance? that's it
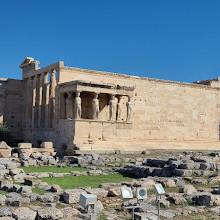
(166, 39)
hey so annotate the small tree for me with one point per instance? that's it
(5, 135)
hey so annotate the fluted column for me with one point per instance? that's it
(40, 99)
(34, 100)
(30, 102)
(27, 101)
(52, 98)
(45, 101)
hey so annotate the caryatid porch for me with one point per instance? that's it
(88, 104)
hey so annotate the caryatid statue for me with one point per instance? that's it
(129, 109)
(112, 108)
(95, 107)
(118, 113)
(69, 106)
(78, 106)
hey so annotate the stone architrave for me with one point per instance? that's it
(69, 106)
(78, 107)
(112, 108)
(129, 109)
(95, 107)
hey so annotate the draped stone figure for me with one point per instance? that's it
(112, 108)
(118, 113)
(129, 109)
(95, 107)
(78, 106)
(69, 106)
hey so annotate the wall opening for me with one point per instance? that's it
(86, 98)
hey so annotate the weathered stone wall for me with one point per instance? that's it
(165, 114)
(11, 105)
(2, 98)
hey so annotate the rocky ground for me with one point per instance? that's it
(190, 179)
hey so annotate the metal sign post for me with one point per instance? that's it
(158, 201)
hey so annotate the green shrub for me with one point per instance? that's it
(5, 135)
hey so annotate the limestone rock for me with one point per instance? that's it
(6, 211)
(56, 188)
(199, 181)
(24, 213)
(145, 183)
(47, 145)
(6, 218)
(188, 189)
(70, 212)
(99, 192)
(2, 199)
(175, 198)
(72, 196)
(25, 190)
(116, 191)
(46, 198)
(3, 145)
(25, 145)
(95, 172)
(5, 150)
(49, 213)
(216, 200)
(202, 199)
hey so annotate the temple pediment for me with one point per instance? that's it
(27, 61)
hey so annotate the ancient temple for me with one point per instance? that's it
(85, 110)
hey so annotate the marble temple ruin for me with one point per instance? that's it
(83, 110)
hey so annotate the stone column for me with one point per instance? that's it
(26, 101)
(69, 106)
(112, 107)
(78, 107)
(45, 101)
(34, 100)
(52, 98)
(95, 107)
(129, 109)
(40, 96)
(29, 102)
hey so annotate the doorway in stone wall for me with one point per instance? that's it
(86, 98)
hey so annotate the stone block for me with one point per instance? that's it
(25, 145)
(50, 213)
(5, 153)
(99, 192)
(47, 145)
(23, 213)
(3, 145)
(71, 196)
(188, 189)
(26, 151)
